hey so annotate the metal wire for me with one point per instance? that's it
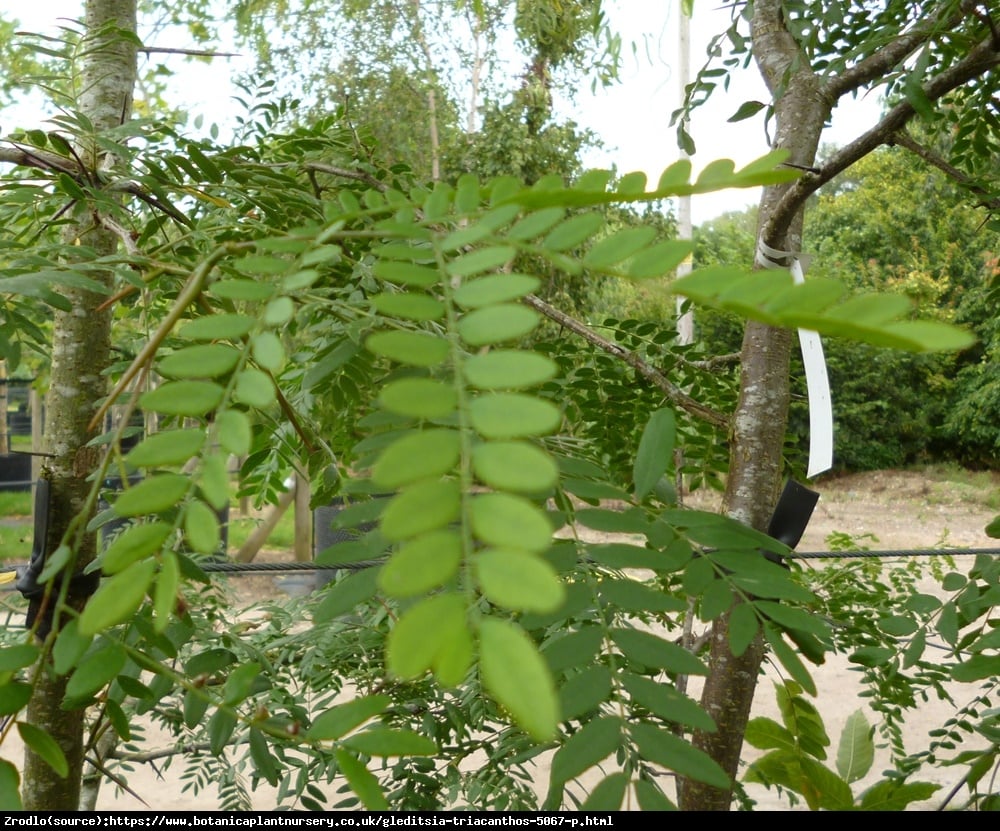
(224, 567)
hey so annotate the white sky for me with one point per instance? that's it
(632, 117)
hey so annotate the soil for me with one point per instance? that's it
(885, 510)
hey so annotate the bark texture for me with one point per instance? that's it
(761, 416)
(803, 101)
(80, 354)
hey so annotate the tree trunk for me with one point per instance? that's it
(80, 354)
(759, 423)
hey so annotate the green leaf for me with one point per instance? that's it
(420, 508)
(508, 415)
(976, 668)
(765, 734)
(517, 580)
(240, 683)
(386, 741)
(649, 795)
(993, 529)
(431, 635)
(346, 595)
(14, 697)
(194, 708)
(419, 398)
(117, 598)
(747, 109)
(573, 231)
(789, 660)
(362, 781)
(584, 691)
(497, 324)
(412, 348)
(208, 360)
(660, 746)
(45, 747)
(343, 718)
(95, 671)
(214, 481)
(494, 289)
(508, 369)
(18, 656)
(165, 591)
(864, 318)
(507, 521)
(892, 795)
(655, 453)
(157, 493)
(254, 388)
(250, 290)
(173, 447)
(423, 455)
(10, 787)
(69, 647)
(649, 650)
(630, 595)
(535, 224)
(232, 427)
(516, 676)
(201, 528)
(856, 751)
(618, 246)
(482, 259)
(226, 326)
(608, 794)
(183, 398)
(279, 311)
(263, 761)
(405, 273)
(660, 260)
(409, 306)
(667, 702)
(221, 726)
(588, 746)
(515, 466)
(789, 617)
(743, 628)
(421, 564)
(573, 650)
(268, 351)
(134, 543)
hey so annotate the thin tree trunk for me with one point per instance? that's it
(80, 354)
(760, 420)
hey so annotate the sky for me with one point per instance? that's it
(632, 117)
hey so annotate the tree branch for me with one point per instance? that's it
(650, 373)
(343, 172)
(981, 58)
(876, 65)
(904, 139)
(203, 53)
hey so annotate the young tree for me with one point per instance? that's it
(80, 355)
(810, 55)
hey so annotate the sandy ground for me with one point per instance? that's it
(884, 510)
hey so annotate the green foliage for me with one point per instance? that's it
(371, 332)
(796, 750)
(870, 233)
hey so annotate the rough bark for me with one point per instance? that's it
(80, 354)
(761, 415)
(803, 102)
